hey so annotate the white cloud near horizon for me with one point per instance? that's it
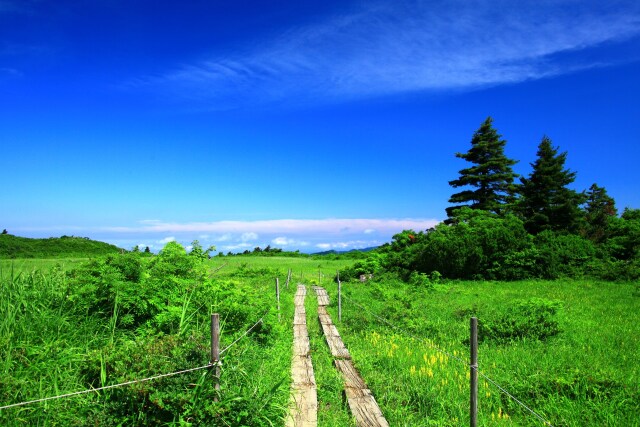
(250, 230)
(397, 47)
(289, 234)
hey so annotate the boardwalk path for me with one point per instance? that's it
(361, 401)
(304, 404)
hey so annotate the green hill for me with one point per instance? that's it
(53, 247)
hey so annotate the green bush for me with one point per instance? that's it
(370, 265)
(474, 247)
(532, 319)
(134, 290)
(562, 255)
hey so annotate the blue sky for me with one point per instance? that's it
(304, 125)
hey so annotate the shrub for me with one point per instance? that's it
(474, 247)
(421, 280)
(370, 265)
(562, 255)
(531, 319)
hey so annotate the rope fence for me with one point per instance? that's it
(142, 380)
(78, 393)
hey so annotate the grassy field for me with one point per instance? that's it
(576, 365)
(27, 265)
(586, 374)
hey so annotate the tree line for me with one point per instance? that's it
(504, 226)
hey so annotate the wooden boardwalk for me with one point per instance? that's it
(304, 398)
(361, 401)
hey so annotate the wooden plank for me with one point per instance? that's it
(300, 316)
(325, 319)
(330, 330)
(302, 371)
(303, 410)
(301, 345)
(323, 297)
(337, 348)
(364, 408)
(351, 376)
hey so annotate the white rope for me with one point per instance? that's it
(544, 421)
(245, 333)
(77, 393)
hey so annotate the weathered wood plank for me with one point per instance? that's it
(351, 376)
(330, 330)
(323, 297)
(304, 399)
(301, 344)
(300, 316)
(302, 371)
(304, 412)
(365, 408)
(337, 347)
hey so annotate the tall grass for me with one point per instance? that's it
(48, 347)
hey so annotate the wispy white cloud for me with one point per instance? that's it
(286, 242)
(236, 248)
(250, 230)
(246, 237)
(351, 244)
(289, 234)
(394, 47)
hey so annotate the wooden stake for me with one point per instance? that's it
(473, 370)
(339, 297)
(215, 352)
(278, 296)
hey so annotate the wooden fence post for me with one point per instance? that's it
(215, 352)
(339, 297)
(278, 296)
(473, 370)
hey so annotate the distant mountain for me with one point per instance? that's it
(54, 247)
(334, 252)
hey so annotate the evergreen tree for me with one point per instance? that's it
(599, 208)
(546, 203)
(491, 175)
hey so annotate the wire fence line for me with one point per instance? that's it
(142, 380)
(245, 333)
(435, 347)
(77, 393)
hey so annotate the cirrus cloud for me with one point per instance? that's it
(390, 47)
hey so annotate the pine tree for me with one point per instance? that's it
(546, 202)
(598, 209)
(491, 175)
